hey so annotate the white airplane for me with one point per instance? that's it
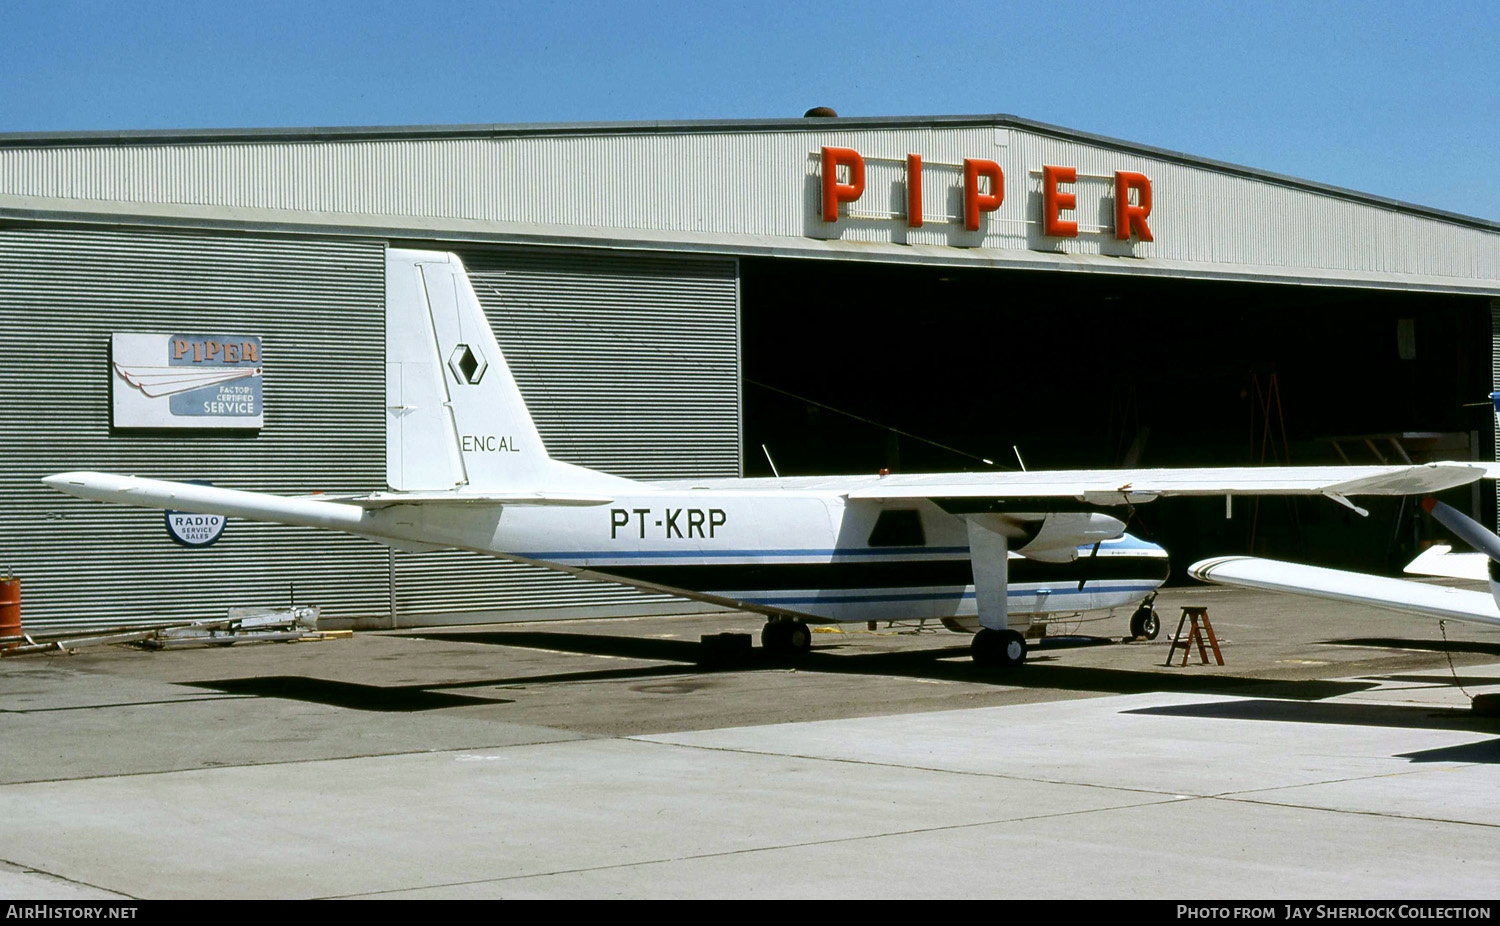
(467, 470)
(1438, 601)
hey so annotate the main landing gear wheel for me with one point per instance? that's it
(786, 638)
(1144, 623)
(998, 648)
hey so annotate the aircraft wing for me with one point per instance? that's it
(1437, 601)
(1133, 486)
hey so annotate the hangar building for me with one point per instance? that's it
(704, 298)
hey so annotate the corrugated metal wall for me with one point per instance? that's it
(630, 365)
(762, 186)
(318, 307)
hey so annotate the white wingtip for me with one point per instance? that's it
(81, 483)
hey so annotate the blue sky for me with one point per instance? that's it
(1396, 99)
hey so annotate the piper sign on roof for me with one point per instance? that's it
(1130, 217)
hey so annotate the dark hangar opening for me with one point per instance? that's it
(850, 367)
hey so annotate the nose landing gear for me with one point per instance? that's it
(1144, 624)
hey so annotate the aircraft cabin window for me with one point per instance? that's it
(898, 529)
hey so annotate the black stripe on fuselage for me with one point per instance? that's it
(919, 573)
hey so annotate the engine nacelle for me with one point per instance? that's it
(1055, 538)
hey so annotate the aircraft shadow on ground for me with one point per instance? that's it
(1485, 752)
(929, 663)
(943, 663)
(1447, 681)
(1435, 646)
(404, 698)
(1404, 716)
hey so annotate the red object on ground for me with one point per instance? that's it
(10, 609)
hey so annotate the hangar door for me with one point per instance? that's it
(945, 369)
(629, 364)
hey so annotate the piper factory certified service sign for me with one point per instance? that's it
(186, 381)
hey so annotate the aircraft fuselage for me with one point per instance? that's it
(808, 553)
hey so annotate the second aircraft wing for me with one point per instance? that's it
(1437, 601)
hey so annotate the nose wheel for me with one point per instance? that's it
(786, 638)
(1144, 624)
(998, 648)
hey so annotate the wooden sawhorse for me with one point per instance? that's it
(1201, 628)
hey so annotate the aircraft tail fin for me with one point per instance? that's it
(1474, 534)
(1440, 560)
(455, 419)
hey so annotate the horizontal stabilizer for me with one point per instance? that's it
(202, 499)
(1438, 601)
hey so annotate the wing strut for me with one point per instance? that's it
(996, 645)
(987, 555)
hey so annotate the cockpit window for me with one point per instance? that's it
(898, 529)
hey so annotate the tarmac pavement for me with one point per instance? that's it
(1333, 756)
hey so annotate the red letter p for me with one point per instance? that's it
(835, 192)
